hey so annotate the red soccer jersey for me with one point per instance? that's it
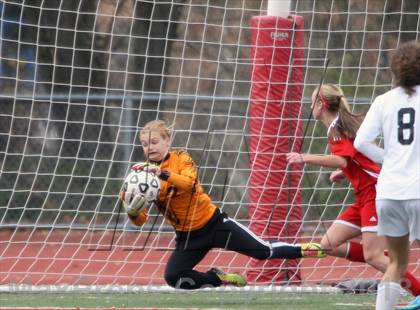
(360, 170)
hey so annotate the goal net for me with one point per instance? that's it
(79, 79)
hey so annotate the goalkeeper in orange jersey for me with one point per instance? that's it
(330, 107)
(199, 224)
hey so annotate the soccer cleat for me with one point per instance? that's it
(312, 250)
(413, 305)
(229, 278)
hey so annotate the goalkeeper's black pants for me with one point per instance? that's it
(220, 232)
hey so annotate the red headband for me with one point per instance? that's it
(324, 101)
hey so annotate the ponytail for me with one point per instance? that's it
(347, 123)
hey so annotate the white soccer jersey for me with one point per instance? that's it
(396, 116)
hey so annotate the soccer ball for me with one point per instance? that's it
(144, 183)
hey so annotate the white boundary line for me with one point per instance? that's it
(25, 288)
(90, 308)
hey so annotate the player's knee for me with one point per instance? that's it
(323, 244)
(374, 258)
(261, 255)
(327, 244)
(370, 257)
(172, 278)
(177, 280)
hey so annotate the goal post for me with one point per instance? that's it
(274, 117)
(79, 79)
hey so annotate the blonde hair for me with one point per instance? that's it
(157, 125)
(348, 123)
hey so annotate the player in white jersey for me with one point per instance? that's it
(396, 115)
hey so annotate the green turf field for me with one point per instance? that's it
(215, 300)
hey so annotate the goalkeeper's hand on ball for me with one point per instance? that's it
(136, 205)
(146, 167)
(161, 174)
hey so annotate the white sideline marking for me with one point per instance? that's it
(363, 304)
(81, 308)
(25, 288)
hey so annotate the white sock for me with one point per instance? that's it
(388, 294)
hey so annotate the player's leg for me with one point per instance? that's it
(334, 242)
(375, 257)
(190, 250)
(179, 272)
(234, 236)
(373, 245)
(374, 249)
(389, 289)
(413, 209)
(398, 248)
(394, 225)
(346, 227)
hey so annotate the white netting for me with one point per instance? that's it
(79, 78)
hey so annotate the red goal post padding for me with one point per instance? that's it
(277, 83)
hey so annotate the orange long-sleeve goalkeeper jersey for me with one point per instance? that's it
(182, 200)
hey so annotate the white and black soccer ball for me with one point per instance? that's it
(144, 183)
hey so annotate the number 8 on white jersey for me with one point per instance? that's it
(396, 116)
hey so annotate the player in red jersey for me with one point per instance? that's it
(330, 107)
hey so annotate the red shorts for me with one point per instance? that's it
(362, 215)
